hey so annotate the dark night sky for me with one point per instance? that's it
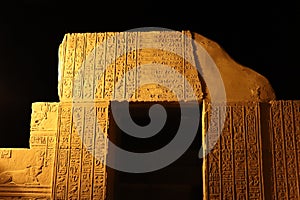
(262, 37)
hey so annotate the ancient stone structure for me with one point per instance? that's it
(256, 156)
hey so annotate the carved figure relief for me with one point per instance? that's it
(28, 176)
(44, 116)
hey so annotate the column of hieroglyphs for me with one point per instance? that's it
(78, 173)
(233, 169)
(285, 149)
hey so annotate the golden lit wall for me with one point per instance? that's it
(256, 156)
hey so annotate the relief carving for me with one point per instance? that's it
(75, 152)
(44, 117)
(28, 176)
(234, 164)
(5, 153)
(285, 119)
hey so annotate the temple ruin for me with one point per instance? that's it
(256, 154)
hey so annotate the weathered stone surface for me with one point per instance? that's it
(233, 169)
(28, 173)
(241, 83)
(84, 57)
(285, 144)
(257, 154)
(109, 66)
(79, 174)
(66, 155)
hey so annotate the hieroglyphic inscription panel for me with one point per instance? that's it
(115, 66)
(285, 142)
(233, 168)
(44, 119)
(28, 173)
(80, 171)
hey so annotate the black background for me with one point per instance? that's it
(262, 37)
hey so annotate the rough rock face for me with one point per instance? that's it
(241, 83)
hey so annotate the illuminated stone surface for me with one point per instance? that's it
(257, 156)
(241, 83)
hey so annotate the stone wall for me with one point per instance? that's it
(256, 156)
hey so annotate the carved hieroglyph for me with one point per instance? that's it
(78, 174)
(257, 135)
(285, 145)
(233, 170)
(257, 156)
(28, 173)
(83, 58)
